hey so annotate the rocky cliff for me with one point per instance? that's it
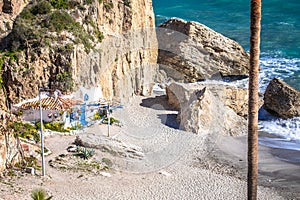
(190, 52)
(9, 145)
(78, 45)
(9, 10)
(106, 48)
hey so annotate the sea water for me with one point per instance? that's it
(280, 45)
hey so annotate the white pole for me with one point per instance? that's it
(42, 135)
(108, 116)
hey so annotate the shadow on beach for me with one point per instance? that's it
(160, 103)
(157, 103)
(169, 120)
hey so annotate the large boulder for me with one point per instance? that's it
(190, 51)
(210, 107)
(109, 145)
(282, 100)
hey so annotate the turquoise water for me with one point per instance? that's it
(280, 40)
(280, 36)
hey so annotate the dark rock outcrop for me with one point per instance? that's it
(281, 99)
(190, 51)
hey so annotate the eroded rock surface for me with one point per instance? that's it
(190, 51)
(210, 107)
(281, 99)
(109, 145)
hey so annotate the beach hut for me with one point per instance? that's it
(54, 108)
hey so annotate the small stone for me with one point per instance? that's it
(30, 170)
(72, 149)
(165, 173)
(106, 174)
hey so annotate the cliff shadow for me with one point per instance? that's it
(157, 103)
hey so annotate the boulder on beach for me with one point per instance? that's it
(109, 145)
(210, 107)
(190, 51)
(282, 100)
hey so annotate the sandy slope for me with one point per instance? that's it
(176, 165)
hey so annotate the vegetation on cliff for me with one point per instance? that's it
(49, 29)
(42, 24)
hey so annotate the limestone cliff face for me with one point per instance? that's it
(126, 61)
(110, 45)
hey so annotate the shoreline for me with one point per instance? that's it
(273, 172)
(176, 164)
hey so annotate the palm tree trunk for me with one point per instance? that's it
(253, 99)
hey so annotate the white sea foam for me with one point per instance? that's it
(282, 68)
(287, 128)
(276, 67)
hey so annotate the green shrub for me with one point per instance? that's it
(126, 3)
(11, 55)
(65, 81)
(41, 8)
(88, 1)
(31, 29)
(96, 116)
(24, 36)
(73, 4)
(99, 35)
(26, 14)
(25, 130)
(112, 120)
(60, 4)
(53, 126)
(31, 162)
(56, 126)
(40, 194)
(85, 153)
(59, 20)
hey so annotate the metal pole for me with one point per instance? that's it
(42, 135)
(108, 116)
